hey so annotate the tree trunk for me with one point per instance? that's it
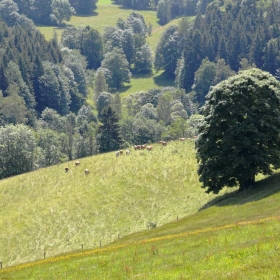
(246, 182)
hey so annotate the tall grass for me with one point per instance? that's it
(236, 239)
(54, 212)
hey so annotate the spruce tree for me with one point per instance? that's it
(109, 133)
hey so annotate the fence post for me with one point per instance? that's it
(82, 246)
(44, 255)
(0, 265)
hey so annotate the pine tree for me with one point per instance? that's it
(109, 133)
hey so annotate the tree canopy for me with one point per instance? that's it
(239, 137)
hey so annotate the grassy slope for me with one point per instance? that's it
(238, 238)
(53, 211)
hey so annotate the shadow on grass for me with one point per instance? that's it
(142, 75)
(122, 89)
(164, 80)
(261, 189)
(92, 14)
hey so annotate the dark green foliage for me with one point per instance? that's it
(39, 11)
(239, 137)
(238, 30)
(143, 59)
(17, 150)
(54, 90)
(84, 7)
(92, 47)
(88, 41)
(108, 133)
(117, 64)
(164, 11)
(168, 52)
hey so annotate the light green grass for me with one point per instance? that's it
(55, 212)
(145, 82)
(107, 15)
(236, 239)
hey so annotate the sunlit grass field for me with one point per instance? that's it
(237, 238)
(55, 212)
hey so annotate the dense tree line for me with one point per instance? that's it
(51, 11)
(44, 85)
(237, 35)
(168, 9)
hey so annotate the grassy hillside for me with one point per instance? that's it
(238, 238)
(54, 212)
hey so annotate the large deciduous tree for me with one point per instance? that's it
(62, 10)
(167, 51)
(84, 7)
(117, 64)
(17, 150)
(239, 137)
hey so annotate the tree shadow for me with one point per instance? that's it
(261, 189)
(142, 75)
(121, 89)
(92, 14)
(164, 80)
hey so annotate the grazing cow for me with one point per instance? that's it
(66, 169)
(77, 163)
(117, 153)
(142, 147)
(121, 152)
(86, 171)
(127, 152)
(149, 148)
(160, 142)
(182, 139)
(163, 143)
(137, 147)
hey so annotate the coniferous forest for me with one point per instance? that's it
(45, 115)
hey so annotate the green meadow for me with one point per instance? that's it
(56, 212)
(58, 225)
(107, 15)
(231, 236)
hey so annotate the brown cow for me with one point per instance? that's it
(149, 148)
(77, 163)
(182, 139)
(142, 147)
(66, 169)
(163, 143)
(86, 171)
(121, 152)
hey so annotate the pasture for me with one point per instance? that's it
(236, 238)
(107, 15)
(55, 212)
